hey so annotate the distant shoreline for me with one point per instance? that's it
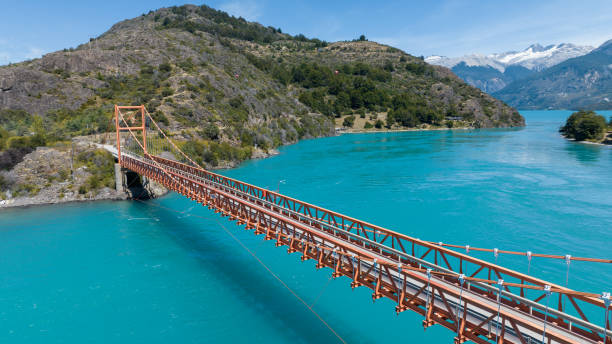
(359, 131)
(590, 142)
(606, 141)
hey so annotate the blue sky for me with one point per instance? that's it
(30, 28)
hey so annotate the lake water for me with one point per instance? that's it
(138, 273)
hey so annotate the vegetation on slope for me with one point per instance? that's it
(227, 89)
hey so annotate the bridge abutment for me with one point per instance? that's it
(136, 186)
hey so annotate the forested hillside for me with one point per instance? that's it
(227, 89)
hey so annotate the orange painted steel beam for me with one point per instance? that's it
(118, 135)
(131, 128)
(556, 288)
(436, 248)
(441, 314)
(133, 107)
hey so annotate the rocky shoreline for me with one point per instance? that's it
(368, 131)
(41, 168)
(54, 175)
(106, 194)
(606, 141)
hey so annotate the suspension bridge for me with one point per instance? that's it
(490, 304)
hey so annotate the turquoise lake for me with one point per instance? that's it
(136, 272)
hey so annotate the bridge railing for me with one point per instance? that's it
(216, 184)
(400, 247)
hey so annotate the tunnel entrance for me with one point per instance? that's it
(135, 186)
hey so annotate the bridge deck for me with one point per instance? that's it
(370, 263)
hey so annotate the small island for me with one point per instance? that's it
(588, 126)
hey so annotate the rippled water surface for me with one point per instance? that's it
(140, 273)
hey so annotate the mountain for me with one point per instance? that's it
(493, 72)
(577, 83)
(490, 79)
(230, 88)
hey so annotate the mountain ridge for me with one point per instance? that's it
(493, 72)
(535, 57)
(583, 82)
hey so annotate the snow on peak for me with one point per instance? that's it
(535, 57)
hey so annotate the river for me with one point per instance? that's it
(137, 272)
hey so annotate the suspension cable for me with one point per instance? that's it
(354, 262)
(528, 262)
(428, 284)
(281, 281)
(400, 283)
(539, 255)
(500, 284)
(314, 302)
(568, 259)
(461, 280)
(548, 292)
(267, 268)
(606, 299)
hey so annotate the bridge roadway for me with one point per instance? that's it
(470, 310)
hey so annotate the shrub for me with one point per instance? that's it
(187, 64)
(17, 142)
(210, 131)
(165, 67)
(361, 113)
(29, 189)
(348, 121)
(101, 164)
(368, 125)
(159, 117)
(167, 92)
(16, 121)
(12, 156)
(379, 124)
(236, 102)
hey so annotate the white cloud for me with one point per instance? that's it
(246, 9)
(441, 32)
(13, 53)
(33, 53)
(4, 58)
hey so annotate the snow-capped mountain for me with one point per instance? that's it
(535, 57)
(493, 72)
(583, 82)
(473, 60)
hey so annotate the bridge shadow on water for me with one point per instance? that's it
(248, 281)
